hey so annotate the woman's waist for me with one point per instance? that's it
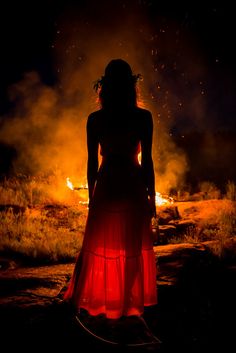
(129, 160)
(120, 172)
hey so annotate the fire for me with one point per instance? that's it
(69, 184)
(72, 187)
(161, 201)
(140, 157)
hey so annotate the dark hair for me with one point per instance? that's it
(117, 88)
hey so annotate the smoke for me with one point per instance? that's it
(47, 127)
(47, 134)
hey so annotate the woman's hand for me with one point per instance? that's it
(152, 205)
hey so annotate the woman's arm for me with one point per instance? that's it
(92, 147)
(146, 161)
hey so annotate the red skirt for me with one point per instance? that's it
(115, 272)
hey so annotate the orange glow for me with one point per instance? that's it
(140, 157)
(161, 201)
(69, 184)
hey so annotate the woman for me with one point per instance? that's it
(115, 272)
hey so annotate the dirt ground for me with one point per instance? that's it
(195, 312)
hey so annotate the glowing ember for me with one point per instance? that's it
(84, 202)
(161, 201)
(140, 157)
(69, 184)
(72, 187)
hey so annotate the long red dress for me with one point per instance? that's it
(115, 272)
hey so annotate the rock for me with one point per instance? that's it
(184, 226)
(7, 264)
(167, 214)
(165, 233)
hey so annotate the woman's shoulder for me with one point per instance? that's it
(94, 117)
(144, 115)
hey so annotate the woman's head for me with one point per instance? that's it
(117, 88)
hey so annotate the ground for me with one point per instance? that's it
(195, 312)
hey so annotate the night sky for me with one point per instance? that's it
(190, 49)
(28, 31)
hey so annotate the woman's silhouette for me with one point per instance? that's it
(115, 272)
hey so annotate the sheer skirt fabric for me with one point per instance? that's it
(115, 272)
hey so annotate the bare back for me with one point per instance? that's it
(121, 136)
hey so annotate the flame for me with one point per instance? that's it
(84, 202)
(69, 184)
(161, 201)
(72, 187)
(139, 157)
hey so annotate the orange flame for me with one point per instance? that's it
(161, 201)
(140, 157)
(69, 184)
(72, 187)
